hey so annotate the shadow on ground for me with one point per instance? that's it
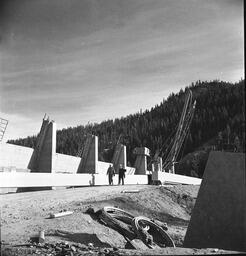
(83, 238)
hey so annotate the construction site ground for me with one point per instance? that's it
(23, 215)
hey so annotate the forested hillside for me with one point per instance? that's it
(220, 108)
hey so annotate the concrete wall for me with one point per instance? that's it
(43, 180)
(12, 180)
(102, 167)
(175, 178)
(13, 155)
(218, 219)
(65, 163)
(130, 170)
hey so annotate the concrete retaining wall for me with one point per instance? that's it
(102, 167)
(18, 157)
(13, 180)
(13, 155)
(44, 180)
(175, 178)
(218, 219)
(65, 163)
(130, 170)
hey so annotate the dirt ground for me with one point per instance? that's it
(23, 215)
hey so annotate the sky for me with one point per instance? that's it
(84, 61)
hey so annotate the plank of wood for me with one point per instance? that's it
(60, 214)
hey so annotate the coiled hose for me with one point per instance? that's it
(151, 233)
(133, 227)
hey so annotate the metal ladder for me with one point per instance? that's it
(3, 126)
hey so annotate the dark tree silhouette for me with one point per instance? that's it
(220, 108)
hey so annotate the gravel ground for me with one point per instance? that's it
(23, 215)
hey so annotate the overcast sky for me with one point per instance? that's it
(84, 61)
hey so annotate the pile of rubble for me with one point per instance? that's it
(58, 249)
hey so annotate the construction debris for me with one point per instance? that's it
(60, 214)
(152, 233)
(130, 191)
(79, 249)
(41, 237)
(136, 244)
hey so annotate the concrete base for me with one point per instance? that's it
(165, 177)
(219, 216)
(46, 180)
(141, 160)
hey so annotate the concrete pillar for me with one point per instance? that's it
(89, 159)
(43, 156)
(42, 159)
(119, 157)
(141, 160)
(156, 169)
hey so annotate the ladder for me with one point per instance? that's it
(3, 126)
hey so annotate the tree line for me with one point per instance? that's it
(218, 122)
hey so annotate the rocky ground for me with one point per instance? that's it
(24, 215)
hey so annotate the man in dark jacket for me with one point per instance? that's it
(110, 173)
(122, 174)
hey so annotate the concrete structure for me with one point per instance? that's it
(23, 180)
(45, 150)
(65, 163)
(141, 160)
(89, 159)
(17, 161)
(14, 156)
(157, 165)
(219, 216)
(161, 177)
(119, 157)
(171, 178)
(102, 167)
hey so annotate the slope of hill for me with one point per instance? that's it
(220, 108)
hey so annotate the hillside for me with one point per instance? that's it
(220, 109)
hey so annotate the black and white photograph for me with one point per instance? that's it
(122, 127)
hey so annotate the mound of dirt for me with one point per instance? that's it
(25, 214)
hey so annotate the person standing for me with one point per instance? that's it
(122, 174)
(110, 173)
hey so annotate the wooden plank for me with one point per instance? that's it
(60, 214)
